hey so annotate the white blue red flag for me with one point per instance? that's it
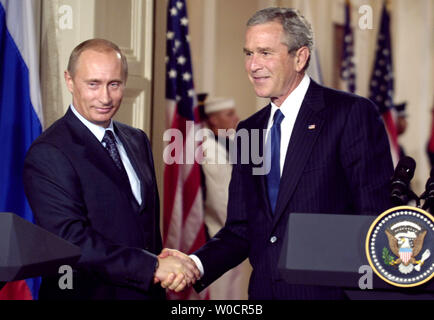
(382, 86)
(21, 117)
(183, 219)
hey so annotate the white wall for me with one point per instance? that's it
(128, 23)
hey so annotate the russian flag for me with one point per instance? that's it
(21, 116)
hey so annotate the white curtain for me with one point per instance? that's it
(51, 74)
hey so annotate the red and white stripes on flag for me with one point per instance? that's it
(405, 255)
(183, 227)
(183, 217)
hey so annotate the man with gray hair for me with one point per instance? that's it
(329, 154)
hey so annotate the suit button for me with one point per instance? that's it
(273, 239)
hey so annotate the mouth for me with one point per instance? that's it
(259, 79)
(103, 109)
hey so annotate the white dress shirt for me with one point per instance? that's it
(290, 108)
(99, 133)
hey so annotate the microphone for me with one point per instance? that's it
(400, 184)
(428, 195)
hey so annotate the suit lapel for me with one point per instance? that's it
(261, 124)
(306, 130)
(144, 175)
(93, 150)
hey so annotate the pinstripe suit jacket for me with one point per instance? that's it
(342, 166)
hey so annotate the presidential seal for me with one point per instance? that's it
(399, 246)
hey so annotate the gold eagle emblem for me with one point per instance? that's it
(407, 246)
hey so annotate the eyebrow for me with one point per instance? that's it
(265, 49)
(258, 49)
(99, 81)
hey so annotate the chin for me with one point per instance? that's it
(262, 94)
(103, 122)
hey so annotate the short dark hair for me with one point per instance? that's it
(100, 45)
(298, 31)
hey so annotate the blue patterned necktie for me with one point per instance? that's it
(273, 177)
(109, 143)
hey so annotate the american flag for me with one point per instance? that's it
(183, 217)
(348, 71)
(381, 86)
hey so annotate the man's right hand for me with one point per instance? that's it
(176, 270)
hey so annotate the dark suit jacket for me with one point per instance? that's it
(77, 193)
(341, 165)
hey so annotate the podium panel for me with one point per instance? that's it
(27, 250)
(329, 249)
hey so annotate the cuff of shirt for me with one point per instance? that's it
(198, 264)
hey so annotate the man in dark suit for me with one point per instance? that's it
(329, 153)
(91, 181)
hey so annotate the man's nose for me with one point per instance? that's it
(254, 63)
(105, 97)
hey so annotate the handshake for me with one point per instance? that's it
(175, 270)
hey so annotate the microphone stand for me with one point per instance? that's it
(413, 196)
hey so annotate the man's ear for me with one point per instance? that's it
(69, 81)
(302, 56)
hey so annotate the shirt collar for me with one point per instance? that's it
(293, 102)
(98, 131)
